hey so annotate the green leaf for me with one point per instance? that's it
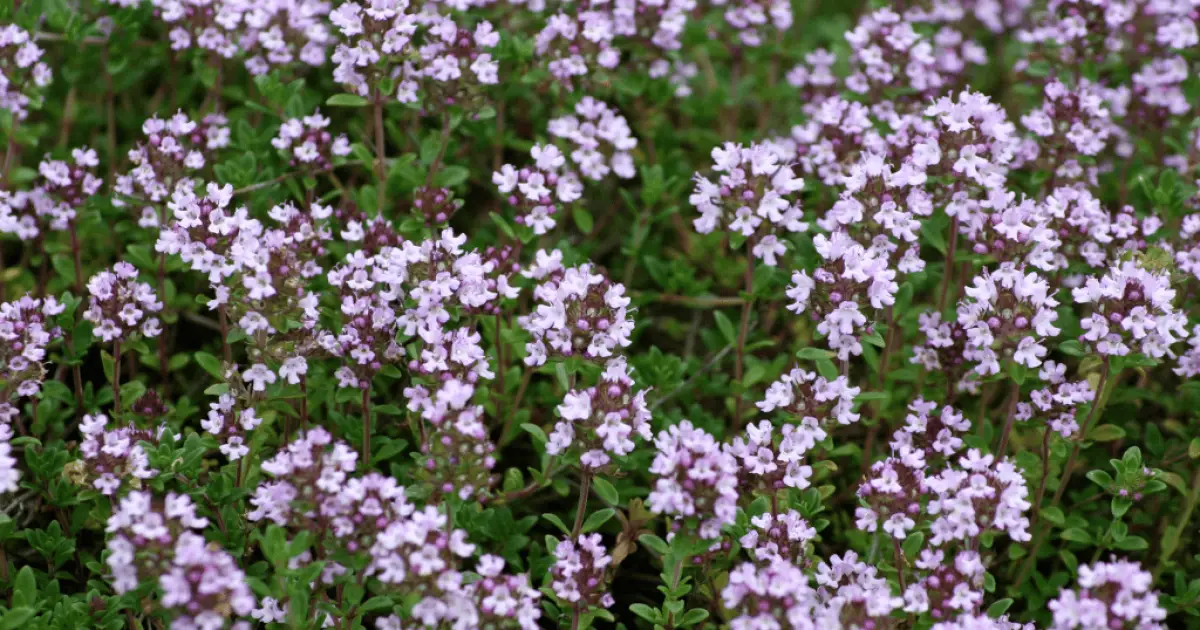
(1100, 478)
(553, 518)
(25, 588)
(379, 602)
(692, 617)
(346, 100)
(1072, 348)
(912, 544)
(1054, 515)
(827, 369)
(726, 327)
(513, 480)
(1154, 440)
(583, 219)
(1120, 505)
(1106, 433)
(1194, 448)
(1069, 559)
(606, 491)
(1133, 543)
(534, 430)
(811, 353)
(452, 175)
(645, 612)
(654, 543)
(999, 607)
(597, 520)
(16, 618)
(1076, 534)
(210, 363)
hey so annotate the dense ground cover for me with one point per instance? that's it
(639, 313)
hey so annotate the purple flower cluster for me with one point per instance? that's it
(69, 184)
(537, 191)
(602, 421)
(850, 273)
(811, 400)
(9, 473)
(26, 329)
(426, 53)
(888, 52)
(1111, 595)
(581, 571)
(27, 214)
(777, 595)
(946, 590)
(853, 595)
(307, 143)
(755, 196)
(984, 494)
(231, 424)
(207, 234)
(457, 456)
(174, 153)
(280, 33)
(1058, 402)
(927, 483)
(770, 467)
(1008, 313)
(579, 313)
(22, 72)
(115, 457)
(1132, 310)
(120, 307)
(419, 555)
(695, 479)
(591, 37)
(773, 538)
(368, 334)
(600, 140)
(200, 584)
(310, 475)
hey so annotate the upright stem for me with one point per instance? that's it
(380, 154)
(4, 572)
(243, 464)
(585, 486)
(1041, 491)
(75, 253)
(226, 351)
(116, 384)
(43, 278)
(441, 154)
(366, 440)
(499, 369)
(304, 401)
(9, 151)
(1183, 521)
(881, 381)
(111, 120)
(1101, 399)
(77, 376)
(739, 366)
(498, 145)
(8, 160)
(162, 294)
(949, 270)
(1013, 395)
(1040, 534)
